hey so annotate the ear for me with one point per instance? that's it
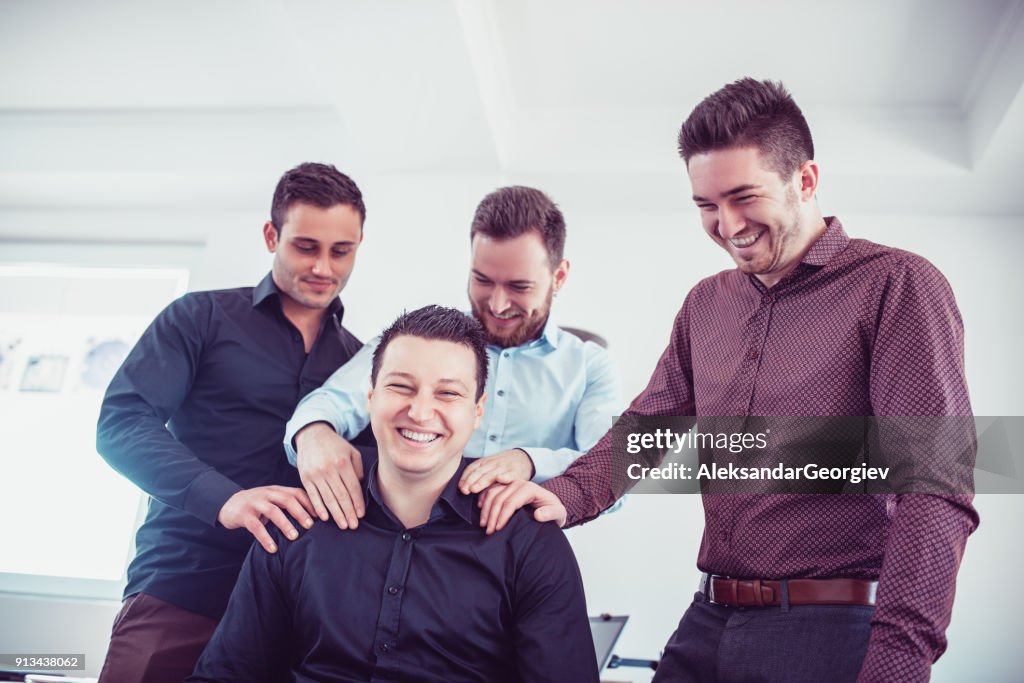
(808, 174)
(480, 409)
(561, 274)
(270, 236)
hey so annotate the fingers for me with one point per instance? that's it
(501, 501)
(255, 506)
(357, 462)
(280, 520)
(350, 477)
(477, 476)
(551, 513)
(319, 508)
(486, 502)
(340, 503)
(331, 469)
(506, 504)
(298, 505)
(259, 531)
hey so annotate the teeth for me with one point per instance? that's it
(417, 436)
(744, 241)
(505, 316)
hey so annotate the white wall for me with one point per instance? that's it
(629, 275)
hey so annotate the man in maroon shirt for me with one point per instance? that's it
(797, 587)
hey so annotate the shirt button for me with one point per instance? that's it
(492, 437)
(767, 299)
(392, 590)
(385, 647)
(506, 354)
(501, 392)
(406, 536)
(752, 355)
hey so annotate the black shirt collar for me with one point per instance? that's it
(451, 500)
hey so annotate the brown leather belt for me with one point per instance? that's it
(766, 593)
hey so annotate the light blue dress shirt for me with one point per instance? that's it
(553, 397)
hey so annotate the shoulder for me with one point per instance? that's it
(528, 536)
(895, 267)
(589, 352)
(213, 298)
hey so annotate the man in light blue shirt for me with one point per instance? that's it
(550, 395)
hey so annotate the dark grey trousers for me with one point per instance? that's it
(788, 644)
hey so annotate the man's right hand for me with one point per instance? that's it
(330, 469)
(499, 502)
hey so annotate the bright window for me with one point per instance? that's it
(69, 519)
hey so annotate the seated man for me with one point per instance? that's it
(418, 592)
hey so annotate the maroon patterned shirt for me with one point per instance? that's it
(856, 329)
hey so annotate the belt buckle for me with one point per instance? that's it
(736, 599)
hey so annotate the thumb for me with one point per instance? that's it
(544, 513)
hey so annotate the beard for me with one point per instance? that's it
(529, 327)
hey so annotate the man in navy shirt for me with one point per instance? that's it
(196, 415)
(418, 591)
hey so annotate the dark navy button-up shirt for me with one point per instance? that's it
(195, 414)
(442, 602)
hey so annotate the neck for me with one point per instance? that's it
(814, 228)
(411, 497)
(307, 320)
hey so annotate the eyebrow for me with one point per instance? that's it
(344, 243)
(409, 376)
(727, 193)
(511, 282)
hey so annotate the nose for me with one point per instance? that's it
(320, 266)
(730, 223)
(498, 300)
(421, 408)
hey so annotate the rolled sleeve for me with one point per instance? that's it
(340, 402)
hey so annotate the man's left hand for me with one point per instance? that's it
(502, 468)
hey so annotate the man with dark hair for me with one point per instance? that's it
(797, 587)
(552, 394)
(418, 592)
(195, 415)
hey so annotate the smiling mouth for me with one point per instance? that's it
(419, 437)
(511, 315)
(741, 242)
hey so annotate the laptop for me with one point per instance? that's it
(606, 630)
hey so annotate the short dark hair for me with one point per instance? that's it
(509, 212)
(321, 185)
(442, 324)
(750, 113)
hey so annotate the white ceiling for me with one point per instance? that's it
(916, 105)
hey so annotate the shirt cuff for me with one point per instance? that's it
(548, 463)
(302, 418)
(207, 494)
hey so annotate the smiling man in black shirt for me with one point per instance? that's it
(418, 592)
(196, 414)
